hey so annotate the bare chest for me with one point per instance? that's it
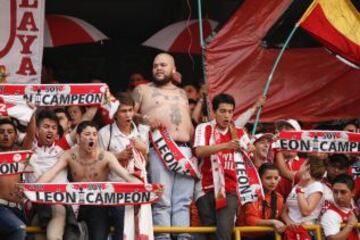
(88, 170)
(156, 98)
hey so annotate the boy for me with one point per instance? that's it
(216, 145)
(341, 211)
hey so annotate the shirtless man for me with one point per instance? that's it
(88, 163)
(12, 222)
(163, 103)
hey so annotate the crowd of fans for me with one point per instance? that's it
(67, 145)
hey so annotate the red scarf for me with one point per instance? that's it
(18, 109)
(171, 155)
(249, 188)
(14, 162)
(56, 94)
(319, 141)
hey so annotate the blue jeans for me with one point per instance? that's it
(173, 209)
(12, 224)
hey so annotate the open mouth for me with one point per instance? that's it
(49, 137)
(91, 144)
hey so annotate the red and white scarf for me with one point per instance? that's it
(171, 155)
(138, 224)
(12, 163)
(16, 109)
(319, 141)
(56, 94)
(92, 193)
(248, 187)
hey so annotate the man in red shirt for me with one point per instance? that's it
(215, 144)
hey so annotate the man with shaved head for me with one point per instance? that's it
(161, 103)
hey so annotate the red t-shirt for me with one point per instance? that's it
(202, 138)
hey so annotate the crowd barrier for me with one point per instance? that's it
(237, 230)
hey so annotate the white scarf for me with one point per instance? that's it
(138, 223)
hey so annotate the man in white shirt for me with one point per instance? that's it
(341, 211)
(119, 138)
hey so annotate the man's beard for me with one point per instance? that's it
(162, 82)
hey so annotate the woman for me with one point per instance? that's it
(264, 212)
(304, 203)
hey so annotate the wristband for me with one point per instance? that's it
(299, 190)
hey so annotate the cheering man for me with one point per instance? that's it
(88, 163)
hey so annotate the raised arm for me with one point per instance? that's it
(137, 96)
(283, 169)
(30, 133)
(245, 117)
(55, 170)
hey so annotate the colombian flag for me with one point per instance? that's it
(336, 23)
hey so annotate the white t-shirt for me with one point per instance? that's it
(293, 205)
(331, 221)
(328, 194)
(45, 157)
(119, 141)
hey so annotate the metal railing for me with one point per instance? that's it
(237, 230)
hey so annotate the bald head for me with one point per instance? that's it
(163, 68)
(165, 57)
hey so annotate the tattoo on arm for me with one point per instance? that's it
(175, 115)
(101, 156)
(137, 95)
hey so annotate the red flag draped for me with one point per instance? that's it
(309, 85)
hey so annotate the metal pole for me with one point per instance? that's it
(268, 82)
(202, 44)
